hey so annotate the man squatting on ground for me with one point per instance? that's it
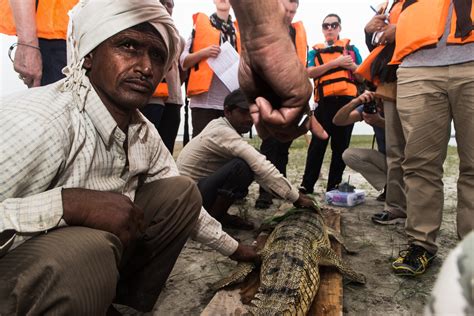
(224, 165)
(81, 163)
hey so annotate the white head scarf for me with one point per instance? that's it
(93, 21)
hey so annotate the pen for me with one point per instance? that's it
(373, 9)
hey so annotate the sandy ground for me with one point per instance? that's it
(187, 291)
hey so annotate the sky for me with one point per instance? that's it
(354, 15)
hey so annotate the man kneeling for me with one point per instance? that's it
(224, 165)
(92, 207)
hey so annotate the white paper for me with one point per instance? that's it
(226, 66)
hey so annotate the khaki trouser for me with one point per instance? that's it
(395, 199)
(428, 99)
(370, 163)
(79, 270)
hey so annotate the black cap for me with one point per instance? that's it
(236, 98)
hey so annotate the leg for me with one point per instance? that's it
(223, 187)
(395, 200)
(169, 125)
(371, 164)
(201, 117)
(461, 96)
(340, 139)
(316, 149)
(68, 271)
(424, 111)
(153, 112)
(53, 55)
(171, 209)
(277, 153)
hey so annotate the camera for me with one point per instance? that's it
(370, 107)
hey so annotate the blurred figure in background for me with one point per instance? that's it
(165, 105)
(330, 64)
(205, 90)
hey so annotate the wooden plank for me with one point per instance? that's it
(328, 301)
(225, 302)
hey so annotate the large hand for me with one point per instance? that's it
(108, 211)
(28, 65)
(284, 86)
(245, 253)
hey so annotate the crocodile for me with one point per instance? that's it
(289, 272)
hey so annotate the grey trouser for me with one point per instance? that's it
(79, 270)
(395, 199)
(428, 99)
(370, 163)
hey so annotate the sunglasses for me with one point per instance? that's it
(333, 25)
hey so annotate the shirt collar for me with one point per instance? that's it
(106, 125)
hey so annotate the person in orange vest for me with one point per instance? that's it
(380, 39)
(165, 105)
(435, 87)
(41, 28)
(330, 64)
(275, 150)
(207, 91)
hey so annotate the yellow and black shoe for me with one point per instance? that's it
(412, 261)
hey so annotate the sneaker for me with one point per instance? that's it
(264, 200)
(381, 197)
(387, 218)
(412, 261)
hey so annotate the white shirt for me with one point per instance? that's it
(48, 143)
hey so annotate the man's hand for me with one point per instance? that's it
(28, 65)
(245, 253)
(305, 202)
(280, 91)
(376, 23)
(374, 119)
(108, 211)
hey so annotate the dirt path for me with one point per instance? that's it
(187, 291)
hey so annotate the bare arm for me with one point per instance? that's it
(108, 211)
(27, 59)
(347, 114)
(194, 58)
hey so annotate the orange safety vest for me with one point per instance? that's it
(337, 81)
(364, 68)
(205, 35)
(301, 42)
(51, 18)
(161, 90)
(422, 23)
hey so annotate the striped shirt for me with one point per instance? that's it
(48, 143)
